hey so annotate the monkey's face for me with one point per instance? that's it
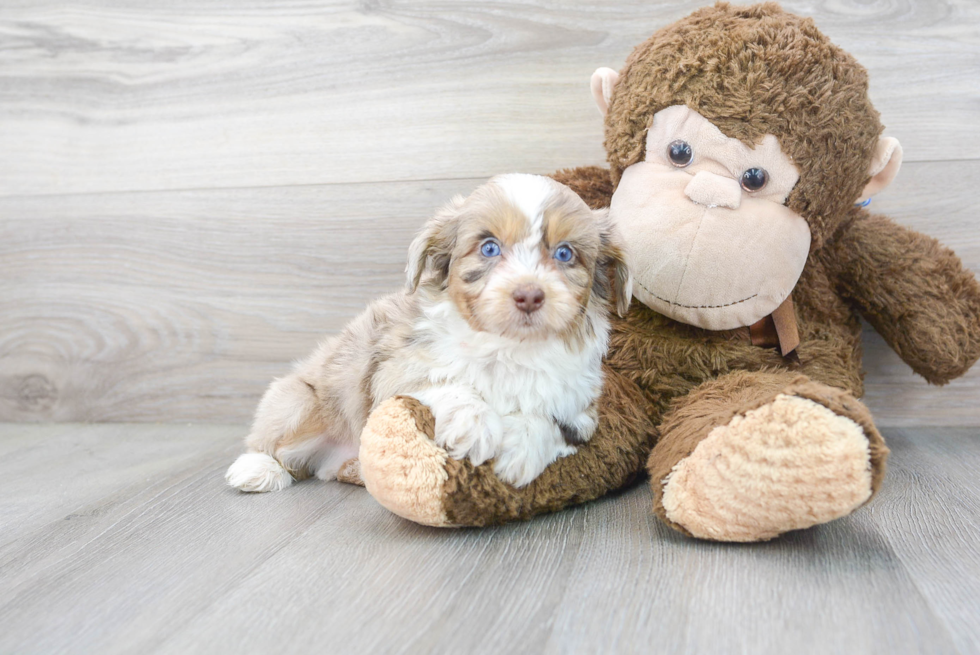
(708, 239)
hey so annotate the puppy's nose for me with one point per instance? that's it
(528, 298)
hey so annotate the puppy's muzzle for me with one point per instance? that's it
(528, 298)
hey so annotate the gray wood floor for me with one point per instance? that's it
(123, 539)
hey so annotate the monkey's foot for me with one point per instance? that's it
(789, 464)
(400, 464)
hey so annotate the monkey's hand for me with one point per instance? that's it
(915, 292)
(408, 473)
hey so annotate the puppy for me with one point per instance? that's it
(501, 333)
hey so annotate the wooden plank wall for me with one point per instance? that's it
(193, 193)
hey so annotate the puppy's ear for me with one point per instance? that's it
(612, 262)
(434, 244)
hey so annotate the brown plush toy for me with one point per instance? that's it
(741, 145)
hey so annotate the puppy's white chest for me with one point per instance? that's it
(546, 377)
(538, 378)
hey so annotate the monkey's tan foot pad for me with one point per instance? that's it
(789, 464)
(400, 464)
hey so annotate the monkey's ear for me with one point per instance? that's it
(434, 244)
(884, 167)
(603, 82)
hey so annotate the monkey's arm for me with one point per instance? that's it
(915, 292)
(407, 473)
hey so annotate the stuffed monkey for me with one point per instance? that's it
(742, 148)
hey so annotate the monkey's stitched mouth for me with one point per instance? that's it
(677, 304)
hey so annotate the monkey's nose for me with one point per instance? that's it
(713, 190)
(528, 298)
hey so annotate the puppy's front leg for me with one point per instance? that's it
(530, 443)
(465, 425)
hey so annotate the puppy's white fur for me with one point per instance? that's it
(505, 384)
(498, 397)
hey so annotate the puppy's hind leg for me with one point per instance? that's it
(286, 437)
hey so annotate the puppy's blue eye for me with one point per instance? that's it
(563, 254)
(490, 248)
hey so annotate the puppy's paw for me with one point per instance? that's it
(350, 472)
(466, 427)
(470, 431)
(580, 429)
(516, 467)
(257, 472)
(530, 445)
(520, 467)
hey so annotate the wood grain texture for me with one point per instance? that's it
(178, 563)
(192, 195)
(164, 305)
(52, 470)
(134, 96)
(933, 493)
(157, 306)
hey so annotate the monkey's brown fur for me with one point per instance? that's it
(751, 71)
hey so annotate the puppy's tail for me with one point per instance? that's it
(257, 472)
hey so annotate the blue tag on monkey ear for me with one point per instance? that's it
(863, 204)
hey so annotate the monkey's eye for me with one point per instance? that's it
(754, 179)
(680, 153)
(490, 248)
(563, 254)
